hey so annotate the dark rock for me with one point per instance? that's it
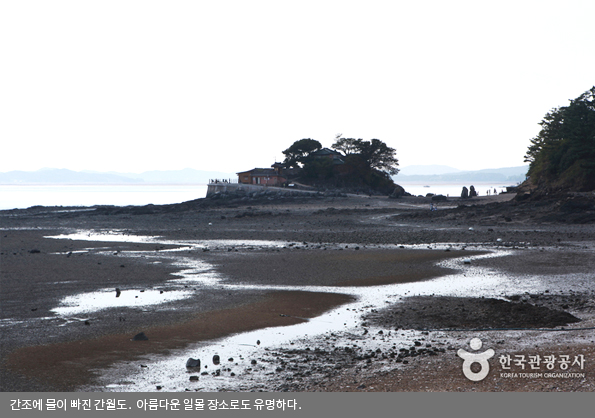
(472, 192)
(253, 362)
(439, 198)
(465, 193)
(118, 292)
(191, 362)
(34, 251)
(216, 359)
(140, 337)
(398, 192)
(194, 378)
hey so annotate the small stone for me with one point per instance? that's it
(216, 359)
(191, 362)
(194, 378)
(140, 337)
(253, 362)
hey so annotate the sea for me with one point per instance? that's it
(453, 190)
(25, 196)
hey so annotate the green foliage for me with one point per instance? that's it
(375, 153)
(320, 169)
(562, 155)
(366, 166)
(297, 154)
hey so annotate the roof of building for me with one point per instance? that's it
(326, 151)
(260, 172)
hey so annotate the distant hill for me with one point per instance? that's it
(184, 176)
(506, 176)
(426, 170)
(64, 176)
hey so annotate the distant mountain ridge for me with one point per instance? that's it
(506, 176)
(64, 176)
(442, 174)
(427, 170)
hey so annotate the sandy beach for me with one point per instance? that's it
(306, 294)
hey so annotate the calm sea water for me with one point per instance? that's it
(24, 196)
(452, 190)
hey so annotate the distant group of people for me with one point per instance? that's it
(219, 181)
(495, 191)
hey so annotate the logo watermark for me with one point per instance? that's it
(520, 366)
(480, 358)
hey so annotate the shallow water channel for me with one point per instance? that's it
(237, 371)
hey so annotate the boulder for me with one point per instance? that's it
(439, 198)
(472, 192)
(191, 362)
(398, 192)
(140, 337)
(465, 193)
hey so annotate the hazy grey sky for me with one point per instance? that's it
(227, 85)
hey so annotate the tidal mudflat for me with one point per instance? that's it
(321, 294)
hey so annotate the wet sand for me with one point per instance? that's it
(330, 242)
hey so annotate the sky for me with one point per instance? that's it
(227, 85)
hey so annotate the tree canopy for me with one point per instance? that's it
(365, 165)
(375, 153)
(297, 154)
(562, 155)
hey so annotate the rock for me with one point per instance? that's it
(465, 193)
(253, 362)
(194, 378)
(398, 192)
(191, 362)
(34, 251)
(472, 192)
(257, 342)
(467, 261)
(439, 198)
(216, 359)
(140, 337)
(118, 292)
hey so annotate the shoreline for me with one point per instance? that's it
(354, 222)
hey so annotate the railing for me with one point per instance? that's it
(223, 181)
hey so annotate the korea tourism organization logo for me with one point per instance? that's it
(480, 358)
(524, 366)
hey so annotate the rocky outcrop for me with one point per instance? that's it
(398, 192)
